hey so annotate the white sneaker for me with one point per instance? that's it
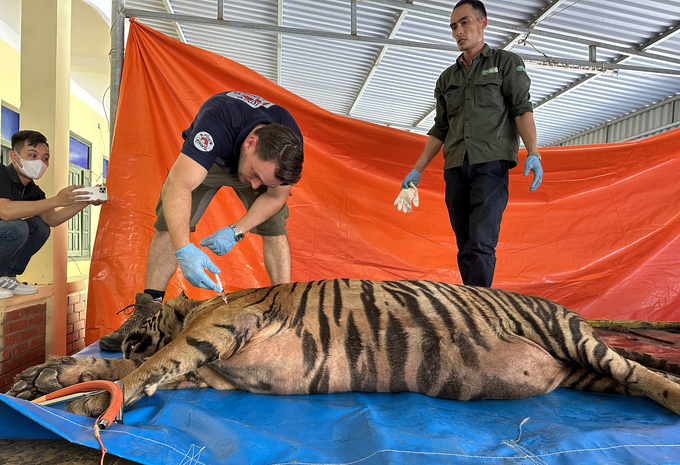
(5, 294)
(15, 287)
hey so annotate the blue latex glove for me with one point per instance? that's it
(220, 242)
(413, 177)
(192, 260)
(532, 163)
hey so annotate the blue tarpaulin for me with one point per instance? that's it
(205, 426)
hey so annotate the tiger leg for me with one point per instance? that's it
(202, 377)
(649, 361)
(635, 378)
(58, 373)
(199, 344)
(653, 385)
(587, 379)
(592, 352)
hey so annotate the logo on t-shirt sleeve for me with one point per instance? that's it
(204, 141)
(251, 99)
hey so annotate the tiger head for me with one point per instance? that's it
(157, 330)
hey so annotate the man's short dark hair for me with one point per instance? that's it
(279, 143)
(27, 136)
(475, 4)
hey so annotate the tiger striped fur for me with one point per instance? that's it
(441, 340)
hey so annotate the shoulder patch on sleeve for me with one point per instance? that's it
(203, 141)
(520, 68)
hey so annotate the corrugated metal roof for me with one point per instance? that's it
(394, 85)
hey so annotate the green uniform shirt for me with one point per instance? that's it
(476, 108)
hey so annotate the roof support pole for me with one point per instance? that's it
(116, 57)
(220, 9)
(376, 63)
(353, 10)
(279, 45)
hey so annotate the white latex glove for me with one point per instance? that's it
(406, 197)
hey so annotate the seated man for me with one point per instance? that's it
(26, 215)
(238, 140)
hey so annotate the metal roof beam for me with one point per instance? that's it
(543, 14)
(501, 25)
(171, 10)
(364, 39)
(404, 127)
(671, 32)
(376, 63)
(292, 31)
(429, 114)
(566, 89)
(618, 62)
(596, 66)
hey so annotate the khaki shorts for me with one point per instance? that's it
(203, 194)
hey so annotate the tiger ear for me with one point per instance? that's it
(183, 295)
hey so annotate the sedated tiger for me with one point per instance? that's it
(441, 340)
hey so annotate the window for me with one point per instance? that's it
(9, 120)
(105, 170)
(79, 173)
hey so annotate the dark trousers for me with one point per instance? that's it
(19, 241)
(476, 196)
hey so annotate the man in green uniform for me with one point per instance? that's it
(483, 108)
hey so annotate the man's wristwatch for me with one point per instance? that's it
(238, 234)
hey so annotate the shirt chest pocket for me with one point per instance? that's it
(487, 92)
(455, 99)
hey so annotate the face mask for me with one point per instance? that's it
(33, 169)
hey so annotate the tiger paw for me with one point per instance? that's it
(90, 406)
(55, 374)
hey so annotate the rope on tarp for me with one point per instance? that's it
(526, 453)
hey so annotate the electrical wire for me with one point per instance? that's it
(525, 39)
(99, 439)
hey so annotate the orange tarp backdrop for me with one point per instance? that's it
(601, 235)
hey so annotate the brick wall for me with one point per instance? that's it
(75, 322)
(22, 344)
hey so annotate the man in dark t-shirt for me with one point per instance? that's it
(238, 140)
(26, 214)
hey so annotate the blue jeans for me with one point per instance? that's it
(476, 196)
(19, 241)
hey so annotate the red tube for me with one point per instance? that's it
(115, 406)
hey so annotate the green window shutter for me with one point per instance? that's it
(79, 227)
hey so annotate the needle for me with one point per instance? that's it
(222, 294)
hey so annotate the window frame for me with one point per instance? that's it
(6, 144)
(81, 223)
